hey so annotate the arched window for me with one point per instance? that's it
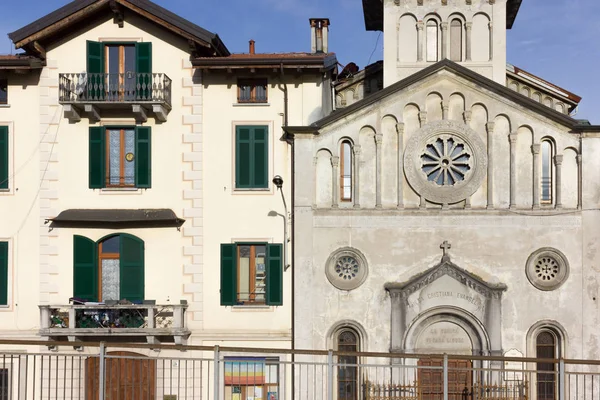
(456, 40)
(547, 171)
(347, 371)
(432, 40)
(111, 269)
(346, 171)
(547, 346)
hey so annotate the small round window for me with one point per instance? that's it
(346, 269)
(547, 269)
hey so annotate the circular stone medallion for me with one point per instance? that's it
(547, 268)
(346, 268)
(445, 162)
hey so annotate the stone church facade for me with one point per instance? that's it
(452, 211)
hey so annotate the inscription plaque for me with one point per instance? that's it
(444, 337)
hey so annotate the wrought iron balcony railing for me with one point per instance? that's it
(148, 320)
(130, 87)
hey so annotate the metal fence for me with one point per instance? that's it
(118, 371)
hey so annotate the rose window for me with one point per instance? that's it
(347, 267)
(546, 268)
(446, 161)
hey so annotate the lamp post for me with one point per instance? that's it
(278, 181)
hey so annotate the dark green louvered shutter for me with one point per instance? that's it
(95, 70)
(4, 273)
(275, 274)
(3, 157)
(96, 158)
(260, 157)
(228, 275)
(85, 269)
(143, 164)
(132, 268)
(143, 62)
(242, 157)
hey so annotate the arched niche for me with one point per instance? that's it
(570, 178)
(433, 106)
(480, 38)
(323, 179)
(501, 161)
(389, 162)
(524, 161)
(407, 38)
(456, 107)
(368, 178)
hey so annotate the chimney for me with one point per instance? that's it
(319, 31)
(251, 42)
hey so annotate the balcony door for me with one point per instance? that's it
(121, 70)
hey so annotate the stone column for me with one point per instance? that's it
(423, 202)
(398, 321)
(493, 318)
(490, 170)
(513, 169)
(535, 149)
(420, 42)
(423, 118)
(579, 182)
(445, 111)
(491, 26)
(335, 164)
(357, 152)
(400, 188)
(558, 159)
(468, 28)
(444, 40)
(378, 140)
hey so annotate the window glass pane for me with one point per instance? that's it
(114, 156)
(261, 92)
(244, 273)
(130, 78)
(3, 91)
(546, 171)
(432, 41)
(260, 278)
(4, 384)
(113, 69)
(110, 279)
(347, 171)
(245, 92)
(456, 40)
(111, 245)
(129, 157)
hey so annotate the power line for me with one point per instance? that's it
(375, 48)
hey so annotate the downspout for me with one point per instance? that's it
(283, 87)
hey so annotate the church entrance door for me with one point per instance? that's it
(431, 379)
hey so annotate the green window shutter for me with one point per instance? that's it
(143, 63)
(143, 164)
(95, 57)
(85, 269)
(95, 65)
(132, 268)
(228, 274)
(96, 158)
(3, 157)
(260, 153)
(274, 274)
(242, 157)
(4, 273)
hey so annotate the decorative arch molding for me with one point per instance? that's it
(545, 325)
(347, 324)
(480, 340)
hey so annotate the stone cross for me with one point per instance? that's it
(445, 248)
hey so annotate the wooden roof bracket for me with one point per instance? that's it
(118, 12)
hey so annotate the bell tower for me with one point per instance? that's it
(419, 33)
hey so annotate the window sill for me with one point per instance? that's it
(110, 191)
(4, 105)
(251, 104)
(252, 307)
(252, 189)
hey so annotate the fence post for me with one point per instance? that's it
(217, 373)
(561, 380)
(102, 372)
(330, 375)
(445, 376)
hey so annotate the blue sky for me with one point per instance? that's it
(558, 40)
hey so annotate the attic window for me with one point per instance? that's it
(252, 91)
(3, 91)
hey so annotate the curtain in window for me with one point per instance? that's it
(546, 171)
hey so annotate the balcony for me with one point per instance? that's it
(154, 323)
(97, 94)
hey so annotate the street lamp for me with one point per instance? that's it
(278, 181)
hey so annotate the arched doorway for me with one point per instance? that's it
(128, 376)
